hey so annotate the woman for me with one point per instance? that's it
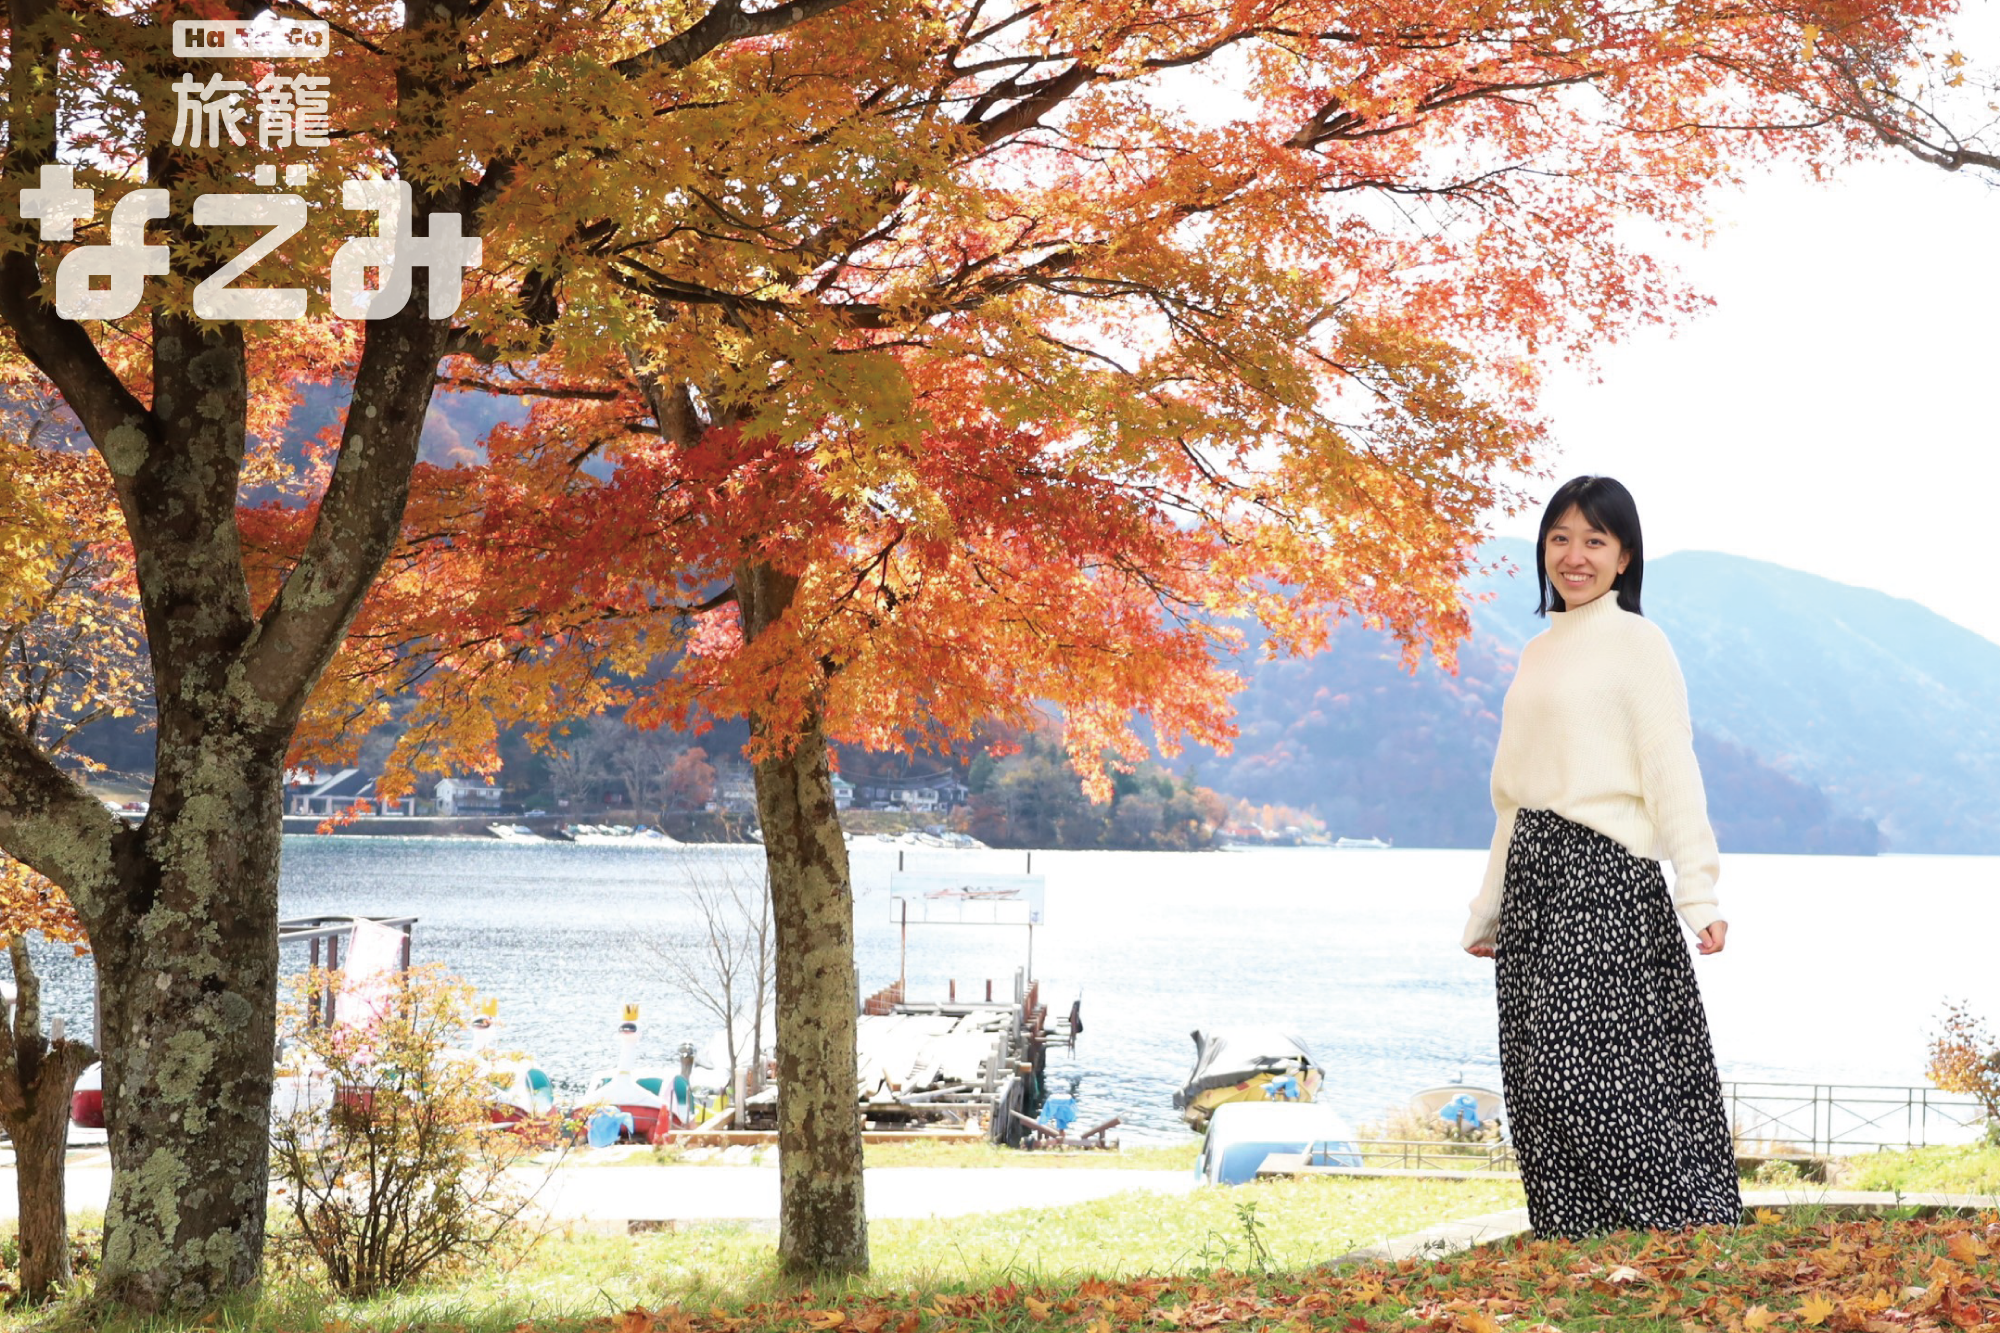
(1611, 1088)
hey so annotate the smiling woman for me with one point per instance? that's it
(1610, 1079)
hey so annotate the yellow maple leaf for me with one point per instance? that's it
(826, 1318)
(1757, 1317)
(1476, 1322)
(1814, 1309)
(1809, 45)
(1037, 1310)
(1769, 1217)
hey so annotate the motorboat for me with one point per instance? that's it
(1242, 1134)
(514, 833)
(1252, 1064)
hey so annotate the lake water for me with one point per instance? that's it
(1835, 972)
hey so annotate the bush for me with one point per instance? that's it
(1966, 1058)
(390, 1165)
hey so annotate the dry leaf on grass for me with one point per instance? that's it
(1966, 1247)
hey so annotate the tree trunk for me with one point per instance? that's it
(189, 1027)
(34, 1105)
(823, 1224)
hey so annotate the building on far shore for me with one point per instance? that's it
(735, 787)
(924, 793)
(468, 796)
(311, 792)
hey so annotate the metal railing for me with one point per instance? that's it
(1820, 1119)
(1436, 1154)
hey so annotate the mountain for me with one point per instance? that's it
(1827, 717)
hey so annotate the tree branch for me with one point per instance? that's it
(54, 827)
(724, 23)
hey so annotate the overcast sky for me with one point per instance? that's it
(1835, 410)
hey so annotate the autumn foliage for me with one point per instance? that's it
(1965, 1057)
(1845, 1276)
(1043, 348)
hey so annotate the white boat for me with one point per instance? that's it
(618, 835)
(1372, 844)
(514, 833)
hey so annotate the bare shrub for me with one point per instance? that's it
(725, 961)
(394, 1170)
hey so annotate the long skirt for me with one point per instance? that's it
(1612, 1096)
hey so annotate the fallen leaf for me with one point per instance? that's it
(1037, 1310)
(1478, 1323)
(1814, 1309)
(1757, 1317)
(1622, 1274)
(1770, 1217)
(1966, 1247)
(824, 1319)
(871, 1321)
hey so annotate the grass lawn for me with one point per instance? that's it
(578, 1275)
(1804, 1270)
(1967, 1169)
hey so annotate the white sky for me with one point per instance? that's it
(1836, 410)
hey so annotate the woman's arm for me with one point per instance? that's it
(1480, 930)
(1671, 781)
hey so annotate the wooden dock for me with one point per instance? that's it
(934, 1070)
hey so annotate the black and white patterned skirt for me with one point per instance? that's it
(1614, 1105)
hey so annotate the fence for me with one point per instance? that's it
(1435, 1154)
(1809, 1119)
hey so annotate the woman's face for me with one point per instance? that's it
(1582, 560)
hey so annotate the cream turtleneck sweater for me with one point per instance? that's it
(1595, 728)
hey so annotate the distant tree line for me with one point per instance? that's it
(1033, 798)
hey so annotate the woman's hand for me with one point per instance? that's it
(1481, 950)
(1712, 935)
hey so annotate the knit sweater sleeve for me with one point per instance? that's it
(1671, 780)
(1486, 907)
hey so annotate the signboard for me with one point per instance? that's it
(966, 898)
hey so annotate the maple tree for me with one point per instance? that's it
(448, 109)
(1926, 99)
(987, 359)
(69, 656)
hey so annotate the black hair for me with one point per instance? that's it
(1607, 506)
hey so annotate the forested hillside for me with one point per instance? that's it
(1823, 714)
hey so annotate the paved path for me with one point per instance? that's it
(615, 1194)
(694, 1193)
